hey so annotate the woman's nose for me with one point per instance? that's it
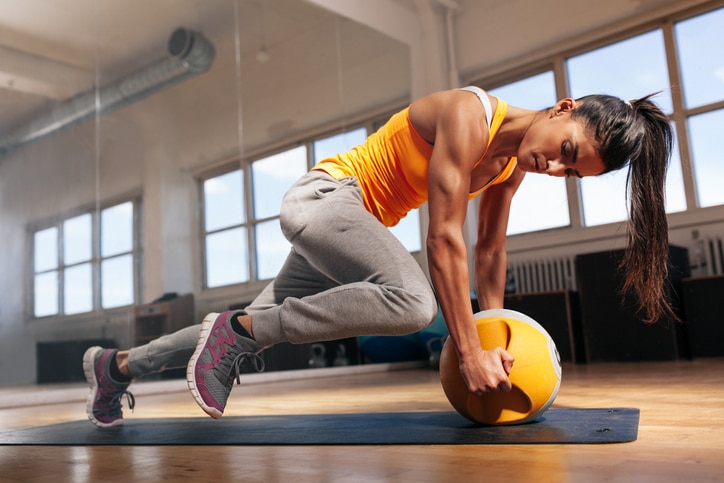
(555, 168)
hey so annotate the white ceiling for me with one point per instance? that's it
(74, 33)
(51, 50)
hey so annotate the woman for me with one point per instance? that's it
(347, 275)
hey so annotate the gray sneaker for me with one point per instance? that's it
(104, 401)
(220, 354)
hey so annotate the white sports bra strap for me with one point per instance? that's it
(483, 99)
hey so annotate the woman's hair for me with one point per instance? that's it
(640, 134)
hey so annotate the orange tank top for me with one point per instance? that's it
(392, 167)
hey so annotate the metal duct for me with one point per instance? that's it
(189, 54)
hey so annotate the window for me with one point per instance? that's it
(227, 259)
(541, 202)
(271, 178)
(117, 255)
(702, 71)
(231, 218)
(701, 64)
(226, 233)
(45, 248)
(633, 68)
(705, 132)
(77, 275)
(76, 271)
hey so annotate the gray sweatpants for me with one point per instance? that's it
(346, 276)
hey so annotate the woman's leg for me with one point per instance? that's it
(347, 275)
(171, 351)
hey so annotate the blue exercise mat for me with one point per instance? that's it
(556, 426)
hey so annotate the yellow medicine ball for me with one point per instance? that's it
(535, 376)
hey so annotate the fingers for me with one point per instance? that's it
(495, 368)
(505, 386)
(506, 360)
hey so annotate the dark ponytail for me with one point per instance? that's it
(640, 134)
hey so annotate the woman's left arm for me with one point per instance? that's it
(491, 261)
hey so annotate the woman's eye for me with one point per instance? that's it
(564, 150)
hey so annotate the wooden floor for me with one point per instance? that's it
(681, 434)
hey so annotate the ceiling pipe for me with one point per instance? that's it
(189, 54)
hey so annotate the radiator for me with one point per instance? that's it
(541, 275)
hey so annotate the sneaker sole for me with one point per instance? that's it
(204, 333)
(90, 376)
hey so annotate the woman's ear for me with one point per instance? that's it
(564, 105)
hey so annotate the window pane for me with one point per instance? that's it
(273, 176)
(77, 239)
(527, 212)
(117, 281)
(117, 229)
(604, 198)
(632, 68)
(46, 249)
(227, 259)
(46, 294)
(629, 69)
(540, 203)
(339, 143)
(271, 249)
(705, 133)
(699, 41)
(535, 92)
(675, 195)
(224, 201)
(78, 289)
(408, 231)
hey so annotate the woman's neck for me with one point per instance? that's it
(512, 130)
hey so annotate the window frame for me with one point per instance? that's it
(96, 259)
(555, 60)
(249, 222)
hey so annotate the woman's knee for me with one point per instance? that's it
(420, 311)
(430, 314)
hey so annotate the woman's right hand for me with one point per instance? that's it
(487, 370)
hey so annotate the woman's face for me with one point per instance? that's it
(558, 146)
